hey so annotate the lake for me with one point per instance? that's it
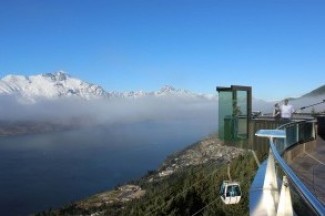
(50, 170)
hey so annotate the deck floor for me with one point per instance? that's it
(310, 168)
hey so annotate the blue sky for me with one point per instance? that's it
(275, 46)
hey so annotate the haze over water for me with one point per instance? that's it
(50, 170)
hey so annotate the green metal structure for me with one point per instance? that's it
(235, 108)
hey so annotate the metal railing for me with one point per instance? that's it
(295, 132)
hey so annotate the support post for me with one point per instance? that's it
(285, 202)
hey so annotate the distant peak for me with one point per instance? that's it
(61, 72)
(167, 88)
(56, 76)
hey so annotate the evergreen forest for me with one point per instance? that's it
(192, 191)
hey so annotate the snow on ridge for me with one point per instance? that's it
(48, 85)
(60, 84)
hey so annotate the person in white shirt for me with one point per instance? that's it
(286, 111)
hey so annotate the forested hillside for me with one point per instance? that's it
(190, 191)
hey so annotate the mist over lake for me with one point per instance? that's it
(49, 170)
(117, 141)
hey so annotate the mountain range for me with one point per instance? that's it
(61, 84)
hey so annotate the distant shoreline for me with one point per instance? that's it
(19, 128)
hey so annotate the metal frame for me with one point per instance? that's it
(234, 89)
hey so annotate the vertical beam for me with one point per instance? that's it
(285, 202)
(270, 181)
(297, 133)
(270, 187)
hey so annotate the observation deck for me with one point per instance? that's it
(292, 179)
(310, 168)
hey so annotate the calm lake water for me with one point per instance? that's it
(39, 172)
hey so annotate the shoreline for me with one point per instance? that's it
(208, 149)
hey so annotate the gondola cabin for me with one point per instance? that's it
(230, 192)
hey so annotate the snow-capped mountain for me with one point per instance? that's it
(49, 85)
(60, 84)
(166, 91)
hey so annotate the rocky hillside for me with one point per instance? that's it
(206, 150)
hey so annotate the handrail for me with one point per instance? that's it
(302, 189)
(291, 123)
(298, 184)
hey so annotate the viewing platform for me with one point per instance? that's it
(291, 180)
(310, 168)
(291, 177)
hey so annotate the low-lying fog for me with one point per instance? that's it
(124, 139)
(110, 111)
(121, 110)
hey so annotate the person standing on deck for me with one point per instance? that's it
(286, 111)
(277, 112)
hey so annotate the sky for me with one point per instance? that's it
(275, 46)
